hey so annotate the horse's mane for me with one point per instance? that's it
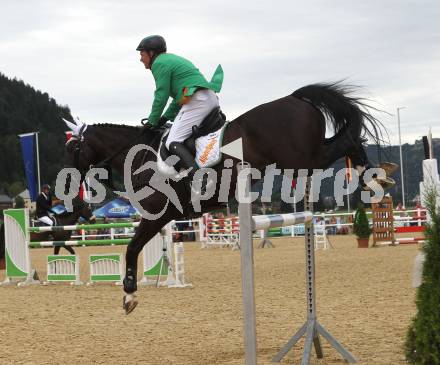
(149, 135)
(121, 126)
(108, 126)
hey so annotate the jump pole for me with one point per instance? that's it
(247, 264)
(311, 328)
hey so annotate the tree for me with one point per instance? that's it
(422, 345)
(19, 202)
(22, 110)
(16, 188)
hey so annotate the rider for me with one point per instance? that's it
(44, 205)
(193, 96)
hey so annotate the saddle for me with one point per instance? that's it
(211, 123)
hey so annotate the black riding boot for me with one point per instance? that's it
(187, 161)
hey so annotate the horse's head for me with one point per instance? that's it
(104, 146)
(80, 210)
(83, 210)
(80, 152)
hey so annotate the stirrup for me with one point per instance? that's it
(206, 184)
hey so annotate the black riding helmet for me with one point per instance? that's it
(154, 43)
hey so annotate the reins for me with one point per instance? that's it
(106, 163)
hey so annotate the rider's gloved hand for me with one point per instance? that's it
(146, 126)
(162, 121)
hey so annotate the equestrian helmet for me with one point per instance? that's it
(154, 43)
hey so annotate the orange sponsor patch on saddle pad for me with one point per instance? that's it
(208, 152)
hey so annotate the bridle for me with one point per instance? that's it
(106, 162)
(77, 151)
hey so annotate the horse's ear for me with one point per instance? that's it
(79, 123)
(73, 127)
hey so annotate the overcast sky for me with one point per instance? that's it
(83, 52)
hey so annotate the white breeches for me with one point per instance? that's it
(191, 114)
(46, 220)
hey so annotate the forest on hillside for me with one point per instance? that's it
(23, 110)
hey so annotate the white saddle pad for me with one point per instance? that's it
(208, 152)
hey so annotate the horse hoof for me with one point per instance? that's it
(129, 303)
(385, 183)
(389, 167)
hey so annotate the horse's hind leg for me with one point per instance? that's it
(56, 250)
(359, 158)
(70, 249)
(361, 163)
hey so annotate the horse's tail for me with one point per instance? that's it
(348, 115)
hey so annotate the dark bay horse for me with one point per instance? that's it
(80, 210)
(289, 132)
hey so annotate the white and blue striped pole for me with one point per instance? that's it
(281, 220)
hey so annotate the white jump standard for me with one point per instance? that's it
(63, 268)
(311, 328)
(106, 268)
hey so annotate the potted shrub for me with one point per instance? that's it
(361, 227)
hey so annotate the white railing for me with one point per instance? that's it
(129, 232)
(401, 218)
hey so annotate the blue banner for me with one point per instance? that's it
(28, 150)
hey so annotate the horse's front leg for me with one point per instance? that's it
(144, 233)
(129, 301)
(141, 237)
